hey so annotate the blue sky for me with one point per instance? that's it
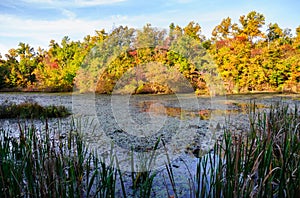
(36, 22)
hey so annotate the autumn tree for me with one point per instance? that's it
(193, 30)
(251, 25)
(60, 64)
(244, 56)
(20, 66)
(235, 53)
(250, 60)
(226, 29)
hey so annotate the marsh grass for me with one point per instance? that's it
(40, 165)
(143, 180)
(31, 110)
(48, 164)
(262, 163)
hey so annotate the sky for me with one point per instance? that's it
(36, 22)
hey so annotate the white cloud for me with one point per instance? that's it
(71, 3)
(68, 13)
(184, 1)
(40, 32)
(84, 3)
(38, 1)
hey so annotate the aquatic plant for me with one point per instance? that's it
(264, 162)
(30, 110)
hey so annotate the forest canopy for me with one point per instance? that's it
(240, 57)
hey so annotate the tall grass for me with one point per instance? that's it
(48, 165)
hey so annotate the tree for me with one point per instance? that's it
(237, 54)
(60, 64)
(247, 59)
(21, 63)
(98, 64)
(274, 32)
(4, 72)
(226, 29)
(149, 37)
(251, 25)
(26, 65)
(194, 31)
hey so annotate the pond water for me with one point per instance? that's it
(130, 126)
(136, 121)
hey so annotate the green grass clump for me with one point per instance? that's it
(31, 110)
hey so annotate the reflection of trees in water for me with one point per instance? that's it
(164, 109)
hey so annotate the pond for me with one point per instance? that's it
(138, 119)
(183, 125)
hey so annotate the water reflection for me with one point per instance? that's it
(161, 109)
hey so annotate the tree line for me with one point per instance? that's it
(241, 55)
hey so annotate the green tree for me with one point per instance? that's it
(21, 73)
(4, 72)
(27, 65)
(149, 37)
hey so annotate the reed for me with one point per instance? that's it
(262, 163)
(40, 165)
